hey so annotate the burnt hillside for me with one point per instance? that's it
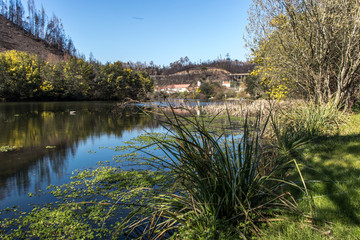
(192, 76)
(14, 38)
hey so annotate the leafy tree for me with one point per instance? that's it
(146, 82)
(78, 75)
(26, 77)
(254, 87)
(209, 89)
(307, 47)
(20, 75)
(113, 81)
(206, 89)
(109, 82)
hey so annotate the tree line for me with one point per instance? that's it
(184, 64)
(37, 23)
(25, 76)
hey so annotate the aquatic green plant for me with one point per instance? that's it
(50, 147)
(226, 187)
(91, 206)
(9, 148)
(196, 183)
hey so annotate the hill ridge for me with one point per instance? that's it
(13, 37)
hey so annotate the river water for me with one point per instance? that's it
(56, 138)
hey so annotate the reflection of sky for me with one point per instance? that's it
(37, 125)
(85, 155)
(81, 141)
(101, 148)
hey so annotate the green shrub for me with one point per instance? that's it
(227, 186)
(311, 120)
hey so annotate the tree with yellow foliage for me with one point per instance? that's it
(20, 75)
(26, 77)
(308, 48)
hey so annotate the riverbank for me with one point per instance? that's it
(97, 201)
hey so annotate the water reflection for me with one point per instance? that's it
(49, 136)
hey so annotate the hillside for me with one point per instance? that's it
(192, 76)
(197, 71)
(14, 38)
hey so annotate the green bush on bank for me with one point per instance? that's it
(315, 119)
(229, 188)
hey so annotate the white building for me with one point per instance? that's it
(175, 88)
(226, 84)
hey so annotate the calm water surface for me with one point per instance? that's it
(58, 138)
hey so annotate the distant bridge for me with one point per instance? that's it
(238, 76)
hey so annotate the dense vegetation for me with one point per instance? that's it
(293, 173)
(27, 77)
(213, 184)
(307, 48)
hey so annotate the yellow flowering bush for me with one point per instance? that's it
(46, 86)
(21, 73)
(269, 68)
(24, 76)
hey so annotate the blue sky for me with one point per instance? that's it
(154, 30)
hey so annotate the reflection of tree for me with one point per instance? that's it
(15, 167)
(37, 125)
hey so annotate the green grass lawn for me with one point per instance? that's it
(332, 171)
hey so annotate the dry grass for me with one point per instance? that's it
(243, 108)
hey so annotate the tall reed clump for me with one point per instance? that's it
(312, 120)
(227, 187)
